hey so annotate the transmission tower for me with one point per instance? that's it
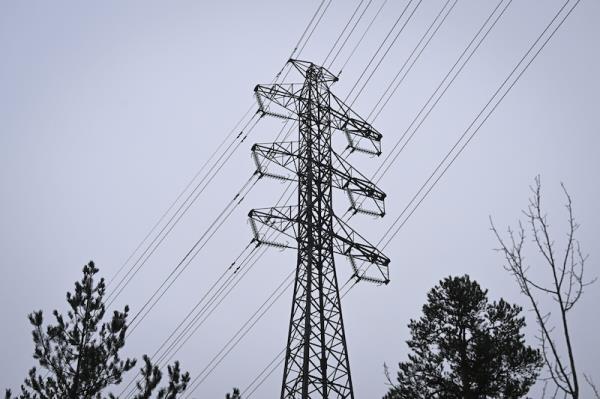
(316, 361)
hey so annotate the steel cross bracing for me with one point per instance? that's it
(316, 362)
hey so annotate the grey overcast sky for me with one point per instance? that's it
(107, 109)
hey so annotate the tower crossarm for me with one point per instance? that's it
(278, 100)
(365, 197)
(281, 101)
(304, 66)
(281, 220)
(351, 244)
(277, 160)
(346, 241)
(280, 161)
(357, 129)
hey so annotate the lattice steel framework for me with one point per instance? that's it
(316, 362)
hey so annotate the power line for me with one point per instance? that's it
(447, 10)
(240, 334)
(343, 31)
(247, 392)
(315, 27)
(433, 23)
(180, 212)
(300, 40)
(185, 189)
(309, 36)
(392, 153)
(408, 19)
(379, 49)
(362, 14)
(249, 257)
(206, 307)
(192, 253)
(364, 34)
(190, 313)
(225, 286)
(487, 109)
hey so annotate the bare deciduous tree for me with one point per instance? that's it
(564, 284)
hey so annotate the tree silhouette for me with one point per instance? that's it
(234, 395)
(80, 352)
(464, 347)
(152, 376)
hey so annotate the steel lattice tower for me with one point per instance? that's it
(316, 362)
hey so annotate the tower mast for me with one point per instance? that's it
(316, 361)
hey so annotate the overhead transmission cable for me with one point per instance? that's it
(185, 189)
(408, 4)
(191, 254)
(240, 266)
(309, 36)
(364, 34)
(300, 39)
(426, 39)
(241, 333)
(206, 236)
(179, 213)
(360, 17)
(447, 81)
(437, 23)
(344, 30)
(473, 128)
(264, 374)
(199, 314)
(408, 19)
(190, 313)
(315, 26)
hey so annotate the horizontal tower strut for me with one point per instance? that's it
(280, 161)
(280, 100)
(346, 241)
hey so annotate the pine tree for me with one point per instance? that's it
(80, 352)
(234, 395)
(466, 348)
(152, 376)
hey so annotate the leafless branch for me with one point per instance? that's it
(566, 286)
(588, 379)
